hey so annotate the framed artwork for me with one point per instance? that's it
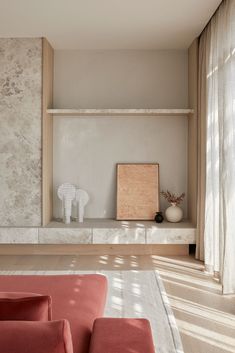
(137, 191)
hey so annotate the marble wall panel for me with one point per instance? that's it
(119, 236)
(18, 235)
(20, 126)
(171, 236)
(65, 236)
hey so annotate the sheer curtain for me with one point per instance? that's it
(217, 46)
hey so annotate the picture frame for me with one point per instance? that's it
(137, 191)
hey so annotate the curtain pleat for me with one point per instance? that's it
(202, 128)
(216, 165)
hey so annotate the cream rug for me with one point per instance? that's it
(135, 294)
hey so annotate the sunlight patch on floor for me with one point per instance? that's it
(199, 310)
(211, 337)
(202, 282)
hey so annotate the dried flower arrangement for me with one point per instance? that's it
(173, 198)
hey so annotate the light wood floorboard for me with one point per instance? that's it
(206, 319)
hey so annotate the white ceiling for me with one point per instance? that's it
(107, 24)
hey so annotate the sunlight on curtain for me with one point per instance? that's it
(219, 236)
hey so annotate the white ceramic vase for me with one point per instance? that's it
(174, 213)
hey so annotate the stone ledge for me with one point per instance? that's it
(102, 232)
(18, 235)
(119, 236)
(65, 236)
(171, 236)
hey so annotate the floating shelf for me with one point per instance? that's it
(120, 112)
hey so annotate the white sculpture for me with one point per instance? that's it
(81, 199)
(70, 195)
(66, 193)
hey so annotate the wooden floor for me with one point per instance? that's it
(206, 319)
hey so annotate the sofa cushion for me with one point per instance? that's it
(78, 298)
(25, 306)
(35, 336)
(121, 336)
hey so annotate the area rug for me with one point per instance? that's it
(135, 294)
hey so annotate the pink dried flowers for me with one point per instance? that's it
(173, 198)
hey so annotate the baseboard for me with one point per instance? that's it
(89, 249)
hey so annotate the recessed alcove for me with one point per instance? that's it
(122, 106)
(89, 140)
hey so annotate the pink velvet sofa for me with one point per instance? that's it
(80, 299)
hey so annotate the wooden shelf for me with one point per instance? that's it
(120, 112)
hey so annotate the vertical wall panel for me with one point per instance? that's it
(20, 129)
(192, 131)
(47, 132)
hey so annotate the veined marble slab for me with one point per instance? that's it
(18, 235)
(171, 236)
(20, 126)
(119, 236)
(65, 236)
(102, 232)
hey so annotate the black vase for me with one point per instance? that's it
(159, 217)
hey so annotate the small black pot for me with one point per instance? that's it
(159, 217)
